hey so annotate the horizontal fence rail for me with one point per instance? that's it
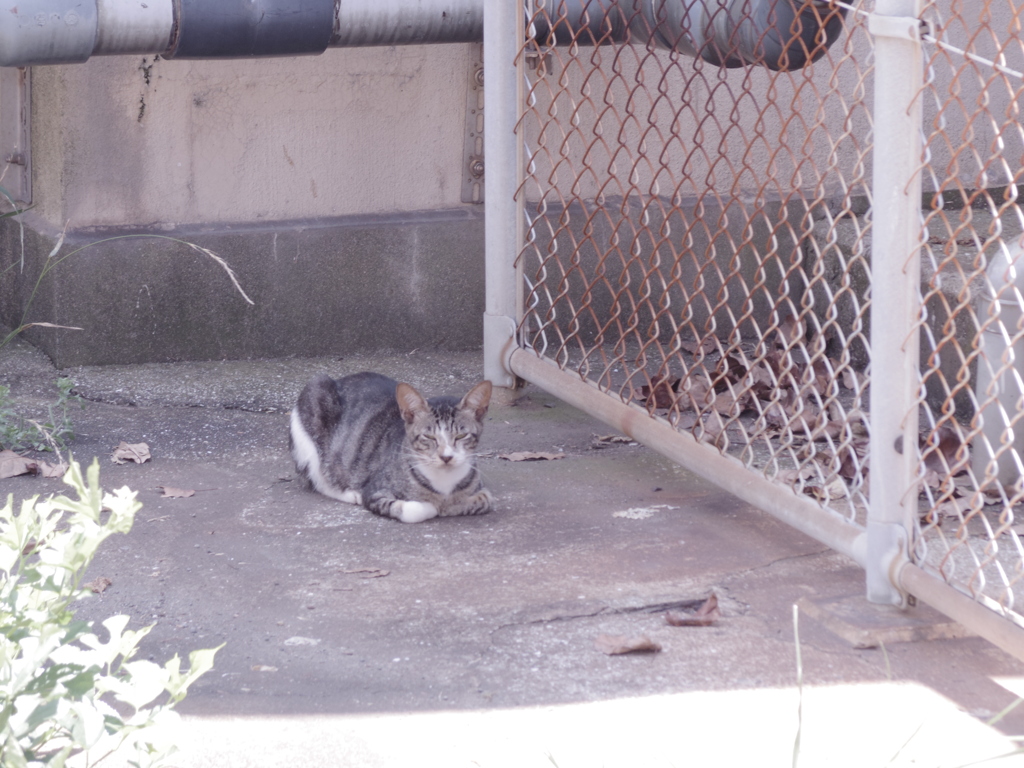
(700, 262)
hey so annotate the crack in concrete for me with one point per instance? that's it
(771, 563)
(687, 604)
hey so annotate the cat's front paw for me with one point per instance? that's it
(417, 511)
(478, 504)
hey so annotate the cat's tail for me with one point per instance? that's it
(303, 450)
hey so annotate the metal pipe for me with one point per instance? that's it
(503, 232)
(34, 32)
(999, 630)
(46, 32)
(779, 34)
(133, 26)
(801, 513)
(244, 28)
(895, 289)
(403, 22)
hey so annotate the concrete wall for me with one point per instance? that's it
(324, 287)
(364, 147)
(141, 140)
(331, 184)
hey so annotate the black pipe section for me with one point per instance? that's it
(782, 35)
(581, 22)
(247, 28)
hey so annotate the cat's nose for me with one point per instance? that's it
(446, 458)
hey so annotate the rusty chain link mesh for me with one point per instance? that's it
(972, 355)
(695, 245)
(697, 242)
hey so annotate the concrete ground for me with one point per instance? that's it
(352, 640)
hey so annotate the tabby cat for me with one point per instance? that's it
(366, 439)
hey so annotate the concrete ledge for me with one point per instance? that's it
(864, 625)
(325, 287)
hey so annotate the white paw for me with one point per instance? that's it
(351, 497)
(348, 496)
(417, 511)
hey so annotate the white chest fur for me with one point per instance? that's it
(446, 478)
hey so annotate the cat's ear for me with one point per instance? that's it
(477, 400)
(410, 403)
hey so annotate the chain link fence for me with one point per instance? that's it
(697, 248)
(972, 358)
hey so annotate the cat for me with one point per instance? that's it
(368, 440)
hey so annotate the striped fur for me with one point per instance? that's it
(368, 440)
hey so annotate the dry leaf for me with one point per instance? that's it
(98, 585)
(370, 573)
(52, 470)
(774, 360)
(991, 496)
(823, 427)
(170, 492)
(660, 393)
(791, 330)
(733, 367)
(728, 404)
(793, 476)
(713, 427)
(615, 645)
(851, 379)
(125, 452)
(695, 393)
(760, 380)
(854, 458)
(602, 440)
(823, 378)
(944, 450)
(706, 615)
(952, 508)
(834, 489)
(687, 420)
(12, 465)
(263, 668)
(531, 456)
(931, 479)
(788, 476)
(775, 416)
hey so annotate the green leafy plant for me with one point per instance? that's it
(64, 691)
(54, 433)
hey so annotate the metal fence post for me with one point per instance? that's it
(501, 84)
(895, 293)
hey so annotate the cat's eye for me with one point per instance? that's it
(426, 440)
(462, 435)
